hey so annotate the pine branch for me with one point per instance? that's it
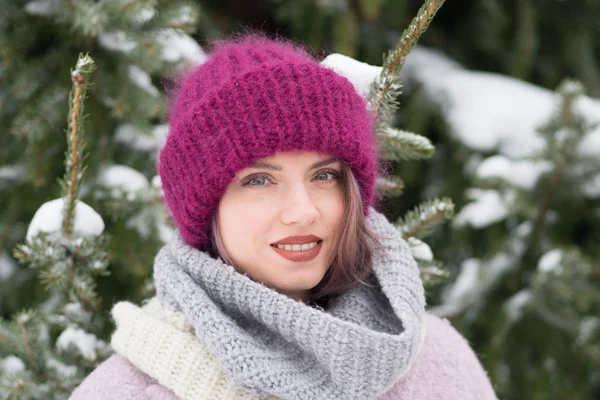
(421, 221)
(23, 320)
(74, 170)
(569, 92)
(432, 272)
(389, 185)
(399, 145)
(386, 88)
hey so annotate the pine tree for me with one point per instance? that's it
(526, 288)
(398, 145)
(47, 351)
(545, 340)
(136, 43)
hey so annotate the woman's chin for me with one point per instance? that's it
(298, 281)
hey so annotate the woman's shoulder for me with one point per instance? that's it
(446, 368)
(117, 378)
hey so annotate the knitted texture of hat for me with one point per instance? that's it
(253, 98)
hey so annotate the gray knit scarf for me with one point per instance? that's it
(356, 348)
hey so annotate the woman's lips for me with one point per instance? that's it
(300, 256)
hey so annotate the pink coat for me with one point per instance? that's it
(446, 368)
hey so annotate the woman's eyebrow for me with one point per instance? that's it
(274, 167)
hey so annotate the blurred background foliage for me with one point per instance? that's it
(530, 314)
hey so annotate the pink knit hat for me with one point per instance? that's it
(255, 97)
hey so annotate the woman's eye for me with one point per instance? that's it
(257, 181)
(322, 176)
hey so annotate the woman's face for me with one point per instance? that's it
(288, 194)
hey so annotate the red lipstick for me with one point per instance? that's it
(299, 239)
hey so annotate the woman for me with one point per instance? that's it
(282, 281)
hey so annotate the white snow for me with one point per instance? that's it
(83, 62)
(165, 232)
(524, 229)
(117, 41)
(122, 177)
(587, 327)
(44, 8)
(48, 218)
(139, 140)
(142, 79)
(7, 266)
(84, 342)
(177, 46)
(461, 292)
(590, 144)
(591, 187)
(489, 111)
(185, 16)
(551, 261)
(476, 277)
(75, 310)
(360, 74)
(10, 174)
(487, 209)
(11, 365)
(523, 174)
(145, 14)
(420, 250)
(514, 306)
(156, 182)
(63, 370)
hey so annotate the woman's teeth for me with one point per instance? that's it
(296, 247)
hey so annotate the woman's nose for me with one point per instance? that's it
(299, 207)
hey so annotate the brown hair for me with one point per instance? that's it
(352, 264)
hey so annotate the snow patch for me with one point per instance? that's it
(61, 369)
(156, 182)
(516, 304)
(44, 8)
(185, 16)
(166, 233)
(474, 280)
(420, 250)
(464, 288)
(117, 41)
(142, 79)
(10, 174)
(591, 188)
(523, 174)
(590, 144)
(139, 140)
(48, 218)
(145, 14)
(7, 266)
(360, 74)
(487, 209)
(122, 177)
(84, 342)
(487, 111)
(551, 262)
(177, 46)
(11, 365)
(587, 327)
